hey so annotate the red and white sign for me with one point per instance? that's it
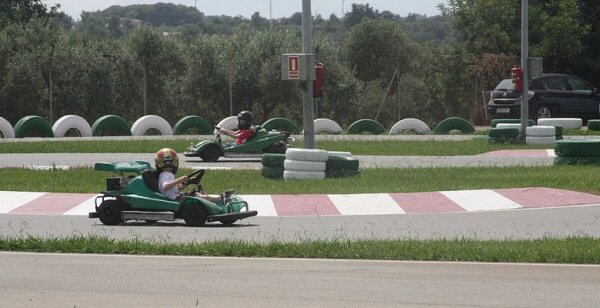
(294, 67)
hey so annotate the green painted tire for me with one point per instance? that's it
(495, 122)
(281, 124)
(341, 166)
(576, 160)
(272, 172)
(593, 124)
(111, 125)
(365, 125)
(33, 126)
(559, 132)
(202, 126)
(273, 160)
(454, 123)
(503, 132)
(564, 148)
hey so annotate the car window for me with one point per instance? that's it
(536, 85)
(557, 84)
(579, 86)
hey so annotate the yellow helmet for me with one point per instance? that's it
(166, 158)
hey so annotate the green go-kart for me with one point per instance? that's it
(136, 197)
(262, 141)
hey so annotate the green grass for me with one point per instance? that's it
(580, 250)
(85, 180)
(427, 148)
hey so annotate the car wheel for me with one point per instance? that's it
(194, 215)
(109, 212)
(210, 154)
(543, 112)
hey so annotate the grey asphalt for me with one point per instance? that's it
(500, 225)
(72, 280)
(366, 161)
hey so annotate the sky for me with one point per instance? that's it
(266, 8)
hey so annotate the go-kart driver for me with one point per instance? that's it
(167, 162)
(244, 131)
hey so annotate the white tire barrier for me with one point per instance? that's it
(337, 153)
(145, 123)
(541, 131)
(303, 175)
(300, 165)
(540, 140)
(307, 154)
(410, 125)
(6, 130)
(327, 126)
(509, 125)
(230, 123)
(566, 123)
(72, 122)
(305, 164)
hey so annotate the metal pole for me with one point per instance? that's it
(525, 67)
(307, 47)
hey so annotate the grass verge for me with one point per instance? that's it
(86, 180)
(575, 250)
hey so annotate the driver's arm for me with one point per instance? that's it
(170, 185)
(230, 133)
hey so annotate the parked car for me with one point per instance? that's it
(550, 96)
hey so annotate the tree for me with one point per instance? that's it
(375, 48)
(358, 14)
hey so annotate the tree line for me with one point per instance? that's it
(171, 60)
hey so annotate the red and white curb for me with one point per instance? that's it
(29, 203)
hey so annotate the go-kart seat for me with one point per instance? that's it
(150, 177)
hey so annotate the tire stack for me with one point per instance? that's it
(305, 164)
(272, 166)
(341, 164)
(593, 125)
(577, 152)
(540, 135)
(505, 133)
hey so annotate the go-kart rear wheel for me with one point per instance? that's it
(194, 215)
(109, 212)
(210, 154)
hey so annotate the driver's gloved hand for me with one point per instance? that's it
(229, 192)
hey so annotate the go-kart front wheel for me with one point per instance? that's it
(109, 212)
(194, 215)
(210, 154)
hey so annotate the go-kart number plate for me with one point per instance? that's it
(503, 110)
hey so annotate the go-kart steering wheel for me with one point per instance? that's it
(196, 176)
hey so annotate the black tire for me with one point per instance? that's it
(109, 212)
(194, 215)
(210, 154)
(543, 111)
